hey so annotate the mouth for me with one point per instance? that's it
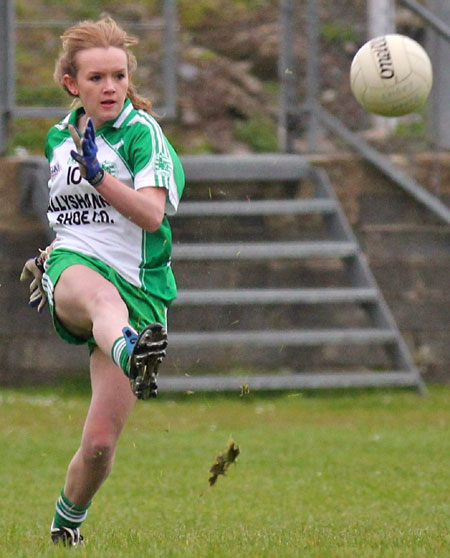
(108, 103)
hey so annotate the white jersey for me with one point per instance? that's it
(134, 150)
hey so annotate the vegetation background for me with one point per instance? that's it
(228, 75)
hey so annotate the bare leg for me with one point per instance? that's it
(111, 404)
(86, 303)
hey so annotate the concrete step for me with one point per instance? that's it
(201, 297)
(279, 338)
(259, 207)
(264, 250)
(243, 168)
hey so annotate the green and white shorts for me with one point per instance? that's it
(143, 307)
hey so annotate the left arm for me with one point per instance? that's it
(144, 207)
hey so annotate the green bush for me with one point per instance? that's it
(336, 32)
(259, 133)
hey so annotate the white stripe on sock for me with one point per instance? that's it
(119, 346)
(69, 513)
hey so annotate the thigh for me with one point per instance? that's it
(75, 294)
(111, 403)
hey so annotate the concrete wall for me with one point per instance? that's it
(408, 249)
(29, 350)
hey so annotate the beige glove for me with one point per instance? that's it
(33, 270)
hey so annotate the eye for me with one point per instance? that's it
(121, 75)
(94, 77)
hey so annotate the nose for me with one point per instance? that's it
(109, 85)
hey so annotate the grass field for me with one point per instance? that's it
(345, 474)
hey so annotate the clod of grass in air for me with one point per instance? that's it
(223, 461)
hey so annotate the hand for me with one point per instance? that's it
(34, 269)
(86, 153)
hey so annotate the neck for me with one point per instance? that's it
(82, 121)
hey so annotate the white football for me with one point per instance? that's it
(391, 75)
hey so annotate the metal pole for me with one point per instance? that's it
(439, 115)
(286, 73)
(313, 72)
(7, 57)
(381, 17)
(381, 21)
(442, 28)
(170, 57)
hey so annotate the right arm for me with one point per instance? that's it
(33, 270)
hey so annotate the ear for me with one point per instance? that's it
(71, 85)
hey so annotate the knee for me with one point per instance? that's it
(104, 297)
(98, 453)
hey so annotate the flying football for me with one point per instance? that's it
(391, 75)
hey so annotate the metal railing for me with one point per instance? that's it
(310, 108)
(9, 25)
(319, 118)
(438, 25)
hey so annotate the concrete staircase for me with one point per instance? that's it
(272, 279)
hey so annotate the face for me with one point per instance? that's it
(101, 82)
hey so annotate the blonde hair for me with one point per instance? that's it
(103, 33)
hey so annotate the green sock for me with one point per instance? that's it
(119, 354)
(122, 349)
(67, 514)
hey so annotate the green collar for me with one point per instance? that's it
(119, 122)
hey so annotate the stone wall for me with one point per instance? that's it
(407, 246)
(29, 350)
(408, 249)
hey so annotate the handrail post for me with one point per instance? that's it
(439, 114)
(7, 81)
(170, 57)
(286, 74)
(313, 72)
